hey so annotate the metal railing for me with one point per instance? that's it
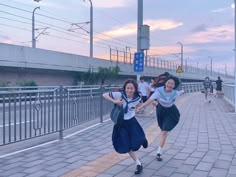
(26, 114)
(33, 113)
(228, 90)
(191, 87)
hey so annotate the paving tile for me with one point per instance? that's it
(218, 172)
(165, 171)
(192, 161)
(222, 164)
(232, 170)
(204, 166)
(185, 169)
(196, 173)
(179, 175)
(116, 169)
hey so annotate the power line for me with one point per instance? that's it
(59, 29)
(61, 21)
(15, 27)
(59, 37)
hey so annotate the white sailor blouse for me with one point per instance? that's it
(129, 104)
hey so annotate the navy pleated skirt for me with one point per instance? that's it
(129, 136)
(167, 118)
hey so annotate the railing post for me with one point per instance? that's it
(101, 104)
(61, 112)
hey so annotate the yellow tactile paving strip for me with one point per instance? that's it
(105, 162)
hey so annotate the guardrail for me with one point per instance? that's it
(228, 90)
(26, 114)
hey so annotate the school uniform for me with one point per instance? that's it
(167, 113)
(130, 135)
(143, 86)
(151, 88)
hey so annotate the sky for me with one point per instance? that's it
(205, 27)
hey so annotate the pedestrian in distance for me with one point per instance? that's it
(207, 86)
(151, 91)
(219, 87)
(129, 136)
(143, 88)
(167, 113)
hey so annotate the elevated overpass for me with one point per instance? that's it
(18, 58)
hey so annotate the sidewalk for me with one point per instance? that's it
(203, 144)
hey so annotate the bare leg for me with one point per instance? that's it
(132, 155)
(163, 138)
(206, 92)
(139, 166)
(162, 143)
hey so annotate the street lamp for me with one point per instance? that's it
(182, 53)
(91, 28)
(211, 63)
(33, 28)
(235, 55)
(206, 69)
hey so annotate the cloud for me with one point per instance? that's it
(225, 9)
(215, 34)
(131, 29)
(4, 37)
(199, 28)
(112, 4)
(8, 41)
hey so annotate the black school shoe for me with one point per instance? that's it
(158, 157)
(145, 144)
(139, 169)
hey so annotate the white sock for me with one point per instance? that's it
(159, 151)
(138, 162)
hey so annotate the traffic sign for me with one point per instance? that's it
(138, 62)
(179, 70)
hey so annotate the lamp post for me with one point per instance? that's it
(235, 55)
(33, 28)
(91, 29)
(211, 63)
(182, 53)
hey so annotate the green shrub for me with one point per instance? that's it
(4, 83)
(27, 84)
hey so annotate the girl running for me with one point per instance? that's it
(167, 113)
(151, 91)
(128, 137)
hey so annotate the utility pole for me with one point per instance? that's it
(225, 70)
(235, 55)
(211, 64)
(182, 53)
(33, 28)
(91, 29)
(139, 28)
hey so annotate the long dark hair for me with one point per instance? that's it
(131, 81)
(160, 80)
(175, 79)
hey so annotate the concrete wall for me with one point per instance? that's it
(54, 68)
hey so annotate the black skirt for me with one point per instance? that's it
(167, 118)
(129, 136)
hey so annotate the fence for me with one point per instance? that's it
(27, 114)
(191, 87)
(126, 56)
(228, 90)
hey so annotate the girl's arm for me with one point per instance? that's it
(107, 97)
(181, 92)
(149, 101)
